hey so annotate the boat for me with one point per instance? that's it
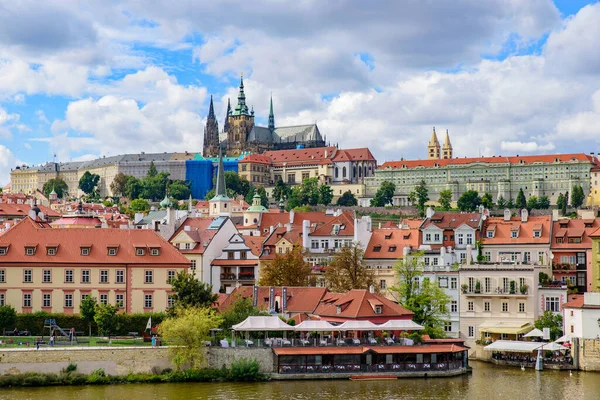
(372, 377)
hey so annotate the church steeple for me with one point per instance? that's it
(211, 133)
(271, 117)
(226, 124)
(221, 190)
(447, 148)
(433, 148)
(241, 108)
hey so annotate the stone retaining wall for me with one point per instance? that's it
(216, 357)
(589, 354)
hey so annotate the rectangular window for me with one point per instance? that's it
(141, 251)
(527, 257)
(522, 283)
(69, 300)
(487, 284)
(120, 300)
(426, 261)
(230, 255)
(552, 304)
(120, 278)
(314, 244)
(470, 306)
(521, 307)
(514, 234)
(324, 244)
(428, 237)
(85, 276)
(103, 276)
(487, 256)
(154, 252)
(51, 251)
(2, 300)
(453, 283)
(505, 285)
(434, 261)
(382, 284)
(2, 276)
(504, 306)
(486, 306)
(27, 300)
(170, 301)
(471, 284)
(112, 251)
(46, 300)
(243, 255)
(147, 301)
(490, 234)
(459, 238)
(443, 282)
(104, 299)
(463, 258)
(471, 331)
(28, 276)
(454, 306)
(85, 251)
(68, 276)
(469, 238)
(148, 276)
(29, 251)
(170, 276)
(436, 237)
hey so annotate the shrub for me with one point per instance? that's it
(70, 368)
(98, 376)
(245, 370)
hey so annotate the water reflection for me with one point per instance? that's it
(487, 382)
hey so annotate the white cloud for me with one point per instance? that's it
(526, 147)
(8, 121)
(7, 161)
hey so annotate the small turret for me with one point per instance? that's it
(433, 148)
(271, 117)
(447, 147)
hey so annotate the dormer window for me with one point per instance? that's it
(51, 251)
(154, 252)
(388, 236)
(392, 248)
(112, 251)
(3, 250)
(338, 309)
(377, 248)
(378, 309)
(559, 240)
(490, 234)
(85, 251)
(537, 234)
(514, 234)
(30, 250)
(140, 251)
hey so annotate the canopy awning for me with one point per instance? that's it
(512, 346)
(273, 323)
(509, 328)
(534, 333)
(315, 326)
(552, 346)
(400, 325)
(563, 339)
(358, 326)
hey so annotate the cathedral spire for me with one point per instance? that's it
(220, 191)
(433, 148)
(447, 147)
(211, 109)
(271, 117)
(241, 108)
(226, 124)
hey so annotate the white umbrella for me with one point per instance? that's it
(552, 346)
(534, 333)
(563, 339)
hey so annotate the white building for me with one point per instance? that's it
(581, 317)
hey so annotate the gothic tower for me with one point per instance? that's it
(211, 133)
(447, 148)
(433, 148)
(271, 118)
(227, 114)
(240, 124)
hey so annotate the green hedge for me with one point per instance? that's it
(127, 322)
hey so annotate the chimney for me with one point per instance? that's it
(429, 213)
(288, 227)
(305, 233)
(379, 227)
(555, 215)
(271, 229)
(325, 154)
(292, 216)
(506, 214)
(524, 215)
(372, 289)
(406, 251)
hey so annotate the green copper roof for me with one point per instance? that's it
(256, 207)
(241, 108)
(166, 202)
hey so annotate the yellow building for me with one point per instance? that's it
(45, 269)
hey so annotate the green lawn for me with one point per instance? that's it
(25, 341)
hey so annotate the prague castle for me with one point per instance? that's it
(243, 136)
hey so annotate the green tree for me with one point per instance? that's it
(550, 320)
(106, 319)
(532, 203)
(510, 203)
(190, 292)
(180, 190)
(187, 332)
(348, 270)
(561, 203)
(58, 185)
(445, 199)
(210, 194)
(152, 171)
(118, 184)
(288, 269)
(520, 202)
(87, 311)
(240, 309)
(468, 201)
(347, 199)
(543, 203)
(577, 196)
(264, 199)
(384, 195)
(501, 203)
(250, 194)
(487, 201)
(420, 196)
(281, 190)
(325, 195)
(309, 192)
(154, 187)
(8, 317)
(139, 205)
(88, 182)
(426, 300)
(133, 187)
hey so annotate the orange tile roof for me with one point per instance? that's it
(198, 232)
(355, 305)
(577, 302)
(360, 154)
(255, 243)
(299, 156)
(300, 299)
(256, 158)
(31, 233)
(503, 230)
(488, 160)
(22, 210)
(450, 220)
(391, 243)
(346, 219)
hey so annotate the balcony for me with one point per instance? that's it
(246, 276)
(567, 267)
(497, 292)
(227, 276)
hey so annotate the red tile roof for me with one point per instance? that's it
(299, 156)
(391, 243)
(355, 305)
(550, 158)
(22, 210)
(255, 243)
(360, 154)
(503, 230)
(346, 219)
(256, 158)
(198, 232)
(300, 299)
(449, 220)
(31, 233)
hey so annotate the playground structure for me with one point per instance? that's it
(53, 329)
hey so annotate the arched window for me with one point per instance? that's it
(359, 172)
(336, 172)
(344, 172)
(354, 171)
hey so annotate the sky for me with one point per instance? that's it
(80, 80)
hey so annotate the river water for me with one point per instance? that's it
(487, 382)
